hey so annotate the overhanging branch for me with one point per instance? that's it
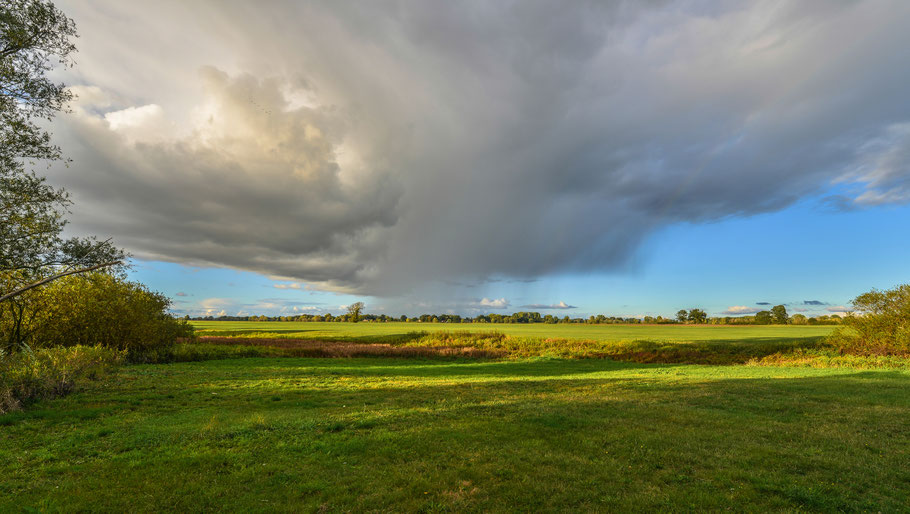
(51, 278)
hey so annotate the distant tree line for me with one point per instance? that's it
(776, 316)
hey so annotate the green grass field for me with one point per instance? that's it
(640, 343)
(442, 435)
(289, 434)
(369, 331)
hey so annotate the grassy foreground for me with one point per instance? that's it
(292, 434)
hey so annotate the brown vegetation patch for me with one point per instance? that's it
(309, 348)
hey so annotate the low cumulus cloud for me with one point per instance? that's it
(814, 302)
(762, 303)
(542, 306)
(838, 309)
(289, 285)
(488, 303)
(737, 310)
(375, 147)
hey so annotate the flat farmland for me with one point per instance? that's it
(366, 331)
(417, 435)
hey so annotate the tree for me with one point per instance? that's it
(698, 316)
(879, 324)
(779, 315)
(682, 315)
(354, 311)
(763, 318)
(34, 37)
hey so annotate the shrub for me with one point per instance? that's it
(880, 324)
(50, 372)
(104, 310)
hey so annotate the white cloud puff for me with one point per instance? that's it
(737, 310)
(498, 303)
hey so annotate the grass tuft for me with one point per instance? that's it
(50, 372)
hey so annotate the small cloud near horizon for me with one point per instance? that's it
(814, 302)
(499, 303)
(838, 309)
(181, 293)
(736, 310)
(762, 303)
(560, 305)
(289, 285)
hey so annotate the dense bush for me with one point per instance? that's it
(101, 309)
(50, 372)
(880, 324)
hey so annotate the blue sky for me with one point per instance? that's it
(486, 156)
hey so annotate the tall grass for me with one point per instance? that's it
(50, 372)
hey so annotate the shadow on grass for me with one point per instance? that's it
(433, 368)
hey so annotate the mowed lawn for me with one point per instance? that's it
(292, 434)
(365, 331)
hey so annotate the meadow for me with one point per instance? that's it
(692, 344)
(370, 332)
(291, 433)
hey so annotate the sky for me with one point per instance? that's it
(625, 158)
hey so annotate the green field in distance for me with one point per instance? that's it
(353, 331)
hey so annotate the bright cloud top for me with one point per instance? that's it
(499, 303)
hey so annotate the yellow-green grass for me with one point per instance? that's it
(291, 434)
(366, 332)
(639, 343)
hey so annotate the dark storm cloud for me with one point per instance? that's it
(374, 147)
